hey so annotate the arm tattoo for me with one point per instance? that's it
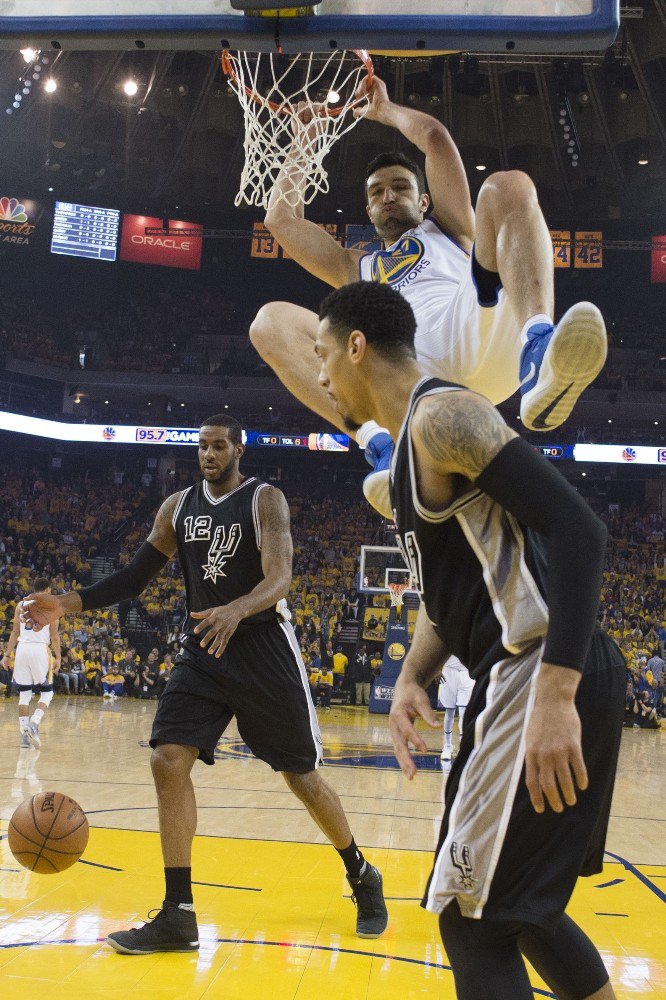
(275, 522)
(461, 430)
(163, 536)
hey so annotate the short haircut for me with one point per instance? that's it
(231, 424)
(381, 314)
(397, 160)
(41, 583)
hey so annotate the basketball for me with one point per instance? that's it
(48, 833)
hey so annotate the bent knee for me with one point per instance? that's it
(508, 188)
(171, 764)
(302, 785)
(271, 322)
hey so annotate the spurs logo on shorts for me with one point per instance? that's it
(222, 548)
(462, 861)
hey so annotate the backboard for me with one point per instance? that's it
(379, 25)
(381, 565)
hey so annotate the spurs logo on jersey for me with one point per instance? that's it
(221, 550)
(462, 861)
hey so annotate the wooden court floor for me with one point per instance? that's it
(274, 912)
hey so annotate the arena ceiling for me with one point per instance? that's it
(178, 141)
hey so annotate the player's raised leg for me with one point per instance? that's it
(557, 362)
(174, 928)
(284, 336)
(323, 804)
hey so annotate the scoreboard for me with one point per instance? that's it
(85, 231)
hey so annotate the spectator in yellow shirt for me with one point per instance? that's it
(340, 664)
(112, 684)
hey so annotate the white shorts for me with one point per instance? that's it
(455, 687)
(31, 664)
(474, 345)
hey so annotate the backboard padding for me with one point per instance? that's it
(495, 26)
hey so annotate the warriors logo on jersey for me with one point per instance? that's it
(391, 266)
(222, 549)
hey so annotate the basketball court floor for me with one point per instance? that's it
(274, 912)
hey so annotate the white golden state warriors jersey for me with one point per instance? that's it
(36, 635)
(427, 267)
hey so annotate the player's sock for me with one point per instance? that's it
(353, 860)
(542, 319)
(449, 716)
(37, 716)
(179, 887)
(367, 431)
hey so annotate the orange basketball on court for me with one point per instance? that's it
(48, 833)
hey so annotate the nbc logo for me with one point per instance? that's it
(11, 210)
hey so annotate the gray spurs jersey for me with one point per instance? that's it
(480, 573)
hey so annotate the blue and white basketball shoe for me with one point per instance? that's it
(558, 363)
(376, 483)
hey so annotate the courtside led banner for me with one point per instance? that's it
(57, 430)
(161, 246)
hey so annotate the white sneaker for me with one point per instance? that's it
(556, 365)
(24, 740)
(33, 735)
(445, 754)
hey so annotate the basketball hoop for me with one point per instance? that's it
(396, 590)
(278, 94)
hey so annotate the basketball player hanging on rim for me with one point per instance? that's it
(239, 657)
(481, 286)
(508, 560)
(33, 669)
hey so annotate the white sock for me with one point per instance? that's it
(367, 431)
(449, 716)
(186, 906)
(37, 716)
(539, 318)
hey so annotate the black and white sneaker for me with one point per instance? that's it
(171, 929)
(368, 894)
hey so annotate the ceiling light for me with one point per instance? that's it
(50, 86)
(480, 166)
(106, 402)
(130, 87)
(643, 162)
(50, 189)
(339, 211)
(182, 404)
(610, 421)
(29, 55)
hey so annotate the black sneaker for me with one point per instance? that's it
(368, 894)
(171, 929)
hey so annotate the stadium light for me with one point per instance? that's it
(130, 87)
(29, 54)
(50, 86)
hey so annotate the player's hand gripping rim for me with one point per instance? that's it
(217, 625)
(410, 702)
(554, 764)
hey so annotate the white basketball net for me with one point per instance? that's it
(396, 591)
(277, 94)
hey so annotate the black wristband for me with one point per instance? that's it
(128, 582)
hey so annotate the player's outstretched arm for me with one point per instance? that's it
(217, 625)
(311, 247)
(422, 666)
(447, 180)
(127, 583)
(459, 433)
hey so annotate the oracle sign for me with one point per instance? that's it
(145, 241)
(658, 259)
